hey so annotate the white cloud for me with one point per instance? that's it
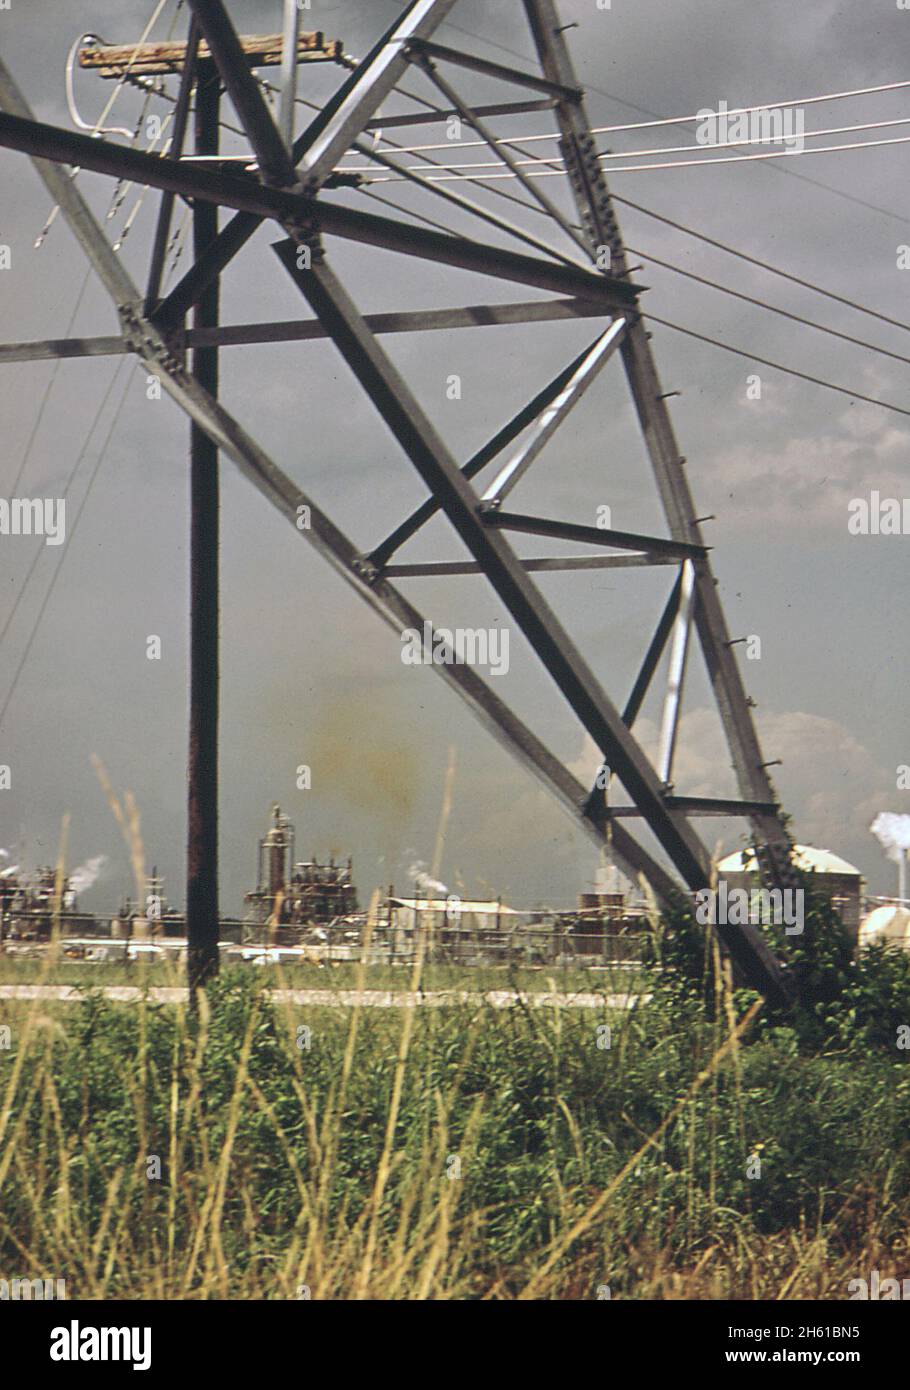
(811, 478)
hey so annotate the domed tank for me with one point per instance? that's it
(830, 873)
(888, 925)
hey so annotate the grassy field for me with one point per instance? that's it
(696, 1146)
(337, 975)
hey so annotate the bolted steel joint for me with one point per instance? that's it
(147, 343)
(306, 234)
(366, 569)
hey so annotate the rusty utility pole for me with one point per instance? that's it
(202, 821)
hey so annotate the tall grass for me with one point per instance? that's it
(459, 1153)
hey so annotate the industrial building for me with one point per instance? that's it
(832, 875)
(289, 896)
(313, 905)
(32, 905)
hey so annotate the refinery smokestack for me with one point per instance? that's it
(893, 833)
(275, 850)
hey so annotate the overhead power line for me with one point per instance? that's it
(701, 236)
(716, 342)
(765, 106)
(664, 149)
(778, 366)
(771, 308)
(762, 265)
(394, 144)
(749, 299)
(666, 164)
(46, 394)
(759, 303)
(671, 120)
(632, 154)
(70, 530)
(425, 150)
(645, 111)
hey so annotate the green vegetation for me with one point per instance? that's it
(337, 975)
(468, 1152)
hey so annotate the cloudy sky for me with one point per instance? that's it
(309, 676)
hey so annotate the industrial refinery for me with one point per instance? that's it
(289, 900)
(310, 910)
(291, 895)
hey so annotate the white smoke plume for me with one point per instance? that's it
(893, 833)
(428, 887)
(81, 879)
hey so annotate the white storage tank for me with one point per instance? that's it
(832, 875)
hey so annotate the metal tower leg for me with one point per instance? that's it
(595, 207)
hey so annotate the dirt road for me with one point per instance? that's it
(346, 998)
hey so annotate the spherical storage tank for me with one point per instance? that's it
(888, 925)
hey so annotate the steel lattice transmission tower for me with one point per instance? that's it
(290, 181)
